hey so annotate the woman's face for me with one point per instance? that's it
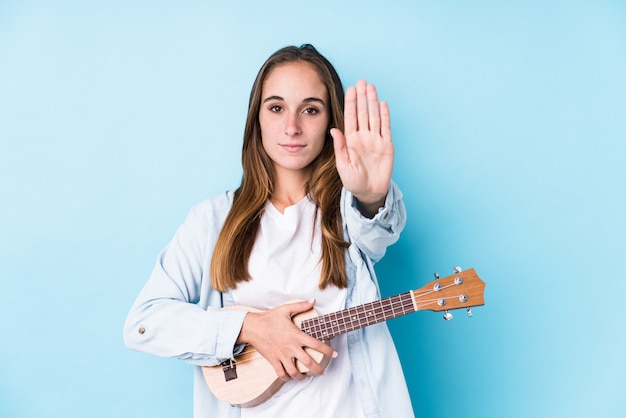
(294, 117)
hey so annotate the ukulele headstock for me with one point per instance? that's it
(463, 289)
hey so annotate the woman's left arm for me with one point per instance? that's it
(373, 235)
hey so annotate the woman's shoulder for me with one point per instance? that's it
(215, 203)
(213, 208)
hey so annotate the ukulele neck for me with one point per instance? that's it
(326, 327)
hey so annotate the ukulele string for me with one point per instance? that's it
(330, 325)
(248, 350)
(430, 291)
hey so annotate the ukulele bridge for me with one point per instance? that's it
(229, 367)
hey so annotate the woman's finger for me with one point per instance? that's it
(350, 123)
(374, 109)
(385, 121)
(361, 106)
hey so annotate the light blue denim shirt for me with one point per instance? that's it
(177, 313)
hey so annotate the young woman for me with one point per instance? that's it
(315, 209)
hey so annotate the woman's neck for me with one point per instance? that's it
(289, 189)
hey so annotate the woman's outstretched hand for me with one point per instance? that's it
(364, 152)
(273, 334)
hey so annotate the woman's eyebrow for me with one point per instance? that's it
(269, 99)
(314, 99)
(307, 100)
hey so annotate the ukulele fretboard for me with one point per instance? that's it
(330, 325)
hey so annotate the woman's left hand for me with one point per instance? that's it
(364, 153)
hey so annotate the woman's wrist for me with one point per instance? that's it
(369, 208)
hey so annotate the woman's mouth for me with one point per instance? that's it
(292, 147)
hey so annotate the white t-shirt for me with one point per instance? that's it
(285, 265)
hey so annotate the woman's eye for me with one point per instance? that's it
(311, 111)
(275, 108)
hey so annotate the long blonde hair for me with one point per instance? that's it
(229, 264)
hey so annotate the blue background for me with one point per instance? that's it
(509, 121)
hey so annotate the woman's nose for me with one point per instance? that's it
(292, 127)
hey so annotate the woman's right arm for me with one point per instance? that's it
(167, 318)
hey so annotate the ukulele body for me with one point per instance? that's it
(250, 379)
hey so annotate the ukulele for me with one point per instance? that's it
(249, 379)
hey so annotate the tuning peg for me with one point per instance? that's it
(436, 276)
(458, 269)
(469, 312)
(447, 316)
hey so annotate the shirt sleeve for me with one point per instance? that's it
(177, 313)
(373, 236)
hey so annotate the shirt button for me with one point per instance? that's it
(141, 330)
